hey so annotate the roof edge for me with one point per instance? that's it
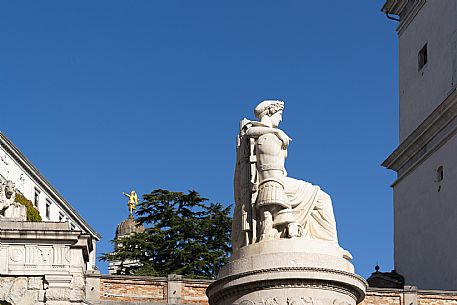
(28, 165)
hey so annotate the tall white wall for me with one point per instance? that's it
(422, 91)
(425, 222)
(425, 209)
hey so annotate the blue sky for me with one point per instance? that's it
(106, 96)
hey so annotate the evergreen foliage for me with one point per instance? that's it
(184, 235)
(32, 213)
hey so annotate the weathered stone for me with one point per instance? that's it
(77, 295)
(35, 283)
(41, 295)
(58, 303)
(17, 290)
(5, 286)
(78, 282)
(58, 294)
(30, 297)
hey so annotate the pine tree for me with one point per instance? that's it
(184, 235)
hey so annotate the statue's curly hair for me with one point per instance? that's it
(268, 107)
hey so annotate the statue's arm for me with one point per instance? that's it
(257, 131)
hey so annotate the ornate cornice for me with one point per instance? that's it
(431, 134)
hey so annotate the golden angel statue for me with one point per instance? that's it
(133, 200)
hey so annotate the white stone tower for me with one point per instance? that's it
(425, 191)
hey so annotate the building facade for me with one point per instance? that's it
(425, 192)
(52, 206)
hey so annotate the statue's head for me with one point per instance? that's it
(9, 188)
(271, 109)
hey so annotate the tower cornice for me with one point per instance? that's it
(405, 9)
(430, 135)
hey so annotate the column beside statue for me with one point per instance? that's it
(284, 238)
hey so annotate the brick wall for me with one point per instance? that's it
(409, 296)
(133, 290)
(383, 297)
(114, 289)
(195, 293)
(120, 290)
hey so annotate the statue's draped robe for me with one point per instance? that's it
(312, 208)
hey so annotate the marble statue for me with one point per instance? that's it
(9, 208)
(7, 194)
(133, 200)
(269, 204)
(285, 245)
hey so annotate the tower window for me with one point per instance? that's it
(423, 57)
(439, 174)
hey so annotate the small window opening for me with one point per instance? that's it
(423, 57)
(48, 209)
(439, 174)
(36, 200)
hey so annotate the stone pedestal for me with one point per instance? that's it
(293, 271)
(15, 213)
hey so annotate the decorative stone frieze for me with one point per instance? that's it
(42, 263)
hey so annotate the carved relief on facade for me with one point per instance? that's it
(60, 255)
(300, 301)
(340, 302)
(68, 255)
(17, 255)
(296, 301)
(45, 255)
(271, 301)
(31, 255)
